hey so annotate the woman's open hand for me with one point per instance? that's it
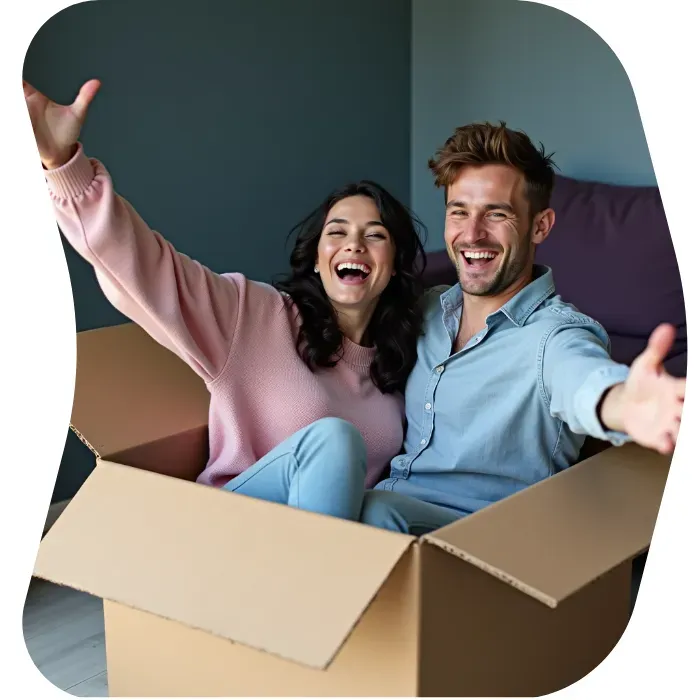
(57, 127)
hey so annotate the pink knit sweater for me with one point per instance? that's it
(237, 334)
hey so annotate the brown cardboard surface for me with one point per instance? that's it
(129, 390)
(481, 637)
(153, 657)
(553, 538)
(183, 455)
(209, 593)
(268, 576)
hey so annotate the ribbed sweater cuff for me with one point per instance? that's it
(73, 178)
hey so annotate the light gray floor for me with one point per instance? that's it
(64, 632)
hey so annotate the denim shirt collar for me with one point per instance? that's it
(521, 306)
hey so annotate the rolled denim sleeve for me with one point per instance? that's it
(576, 370)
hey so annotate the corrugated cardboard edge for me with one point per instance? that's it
(263, 649)
(85, 441)
(630, 451)
(198, 628)
(353, 627)
(132, 390)
(493, 571)
(68, 581)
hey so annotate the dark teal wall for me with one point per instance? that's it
(224, 122)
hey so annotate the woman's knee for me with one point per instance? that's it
(338, 433)
(337, 442)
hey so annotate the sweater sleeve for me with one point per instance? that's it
(179, 302)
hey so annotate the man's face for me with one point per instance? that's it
(490, 234)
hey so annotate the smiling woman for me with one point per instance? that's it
(306, 376)
(354, 275)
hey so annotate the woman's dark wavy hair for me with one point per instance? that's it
(397, 319)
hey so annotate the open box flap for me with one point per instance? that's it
(130, 391)
(553, 538)
(282, 580)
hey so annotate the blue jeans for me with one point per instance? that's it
(322, 468)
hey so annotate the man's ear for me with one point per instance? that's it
(543, 223)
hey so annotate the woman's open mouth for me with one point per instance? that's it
(352, 273)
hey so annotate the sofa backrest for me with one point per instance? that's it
(612, 256)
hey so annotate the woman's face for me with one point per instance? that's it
(355, 255)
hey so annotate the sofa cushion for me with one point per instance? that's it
(439, 269)
(612, 256)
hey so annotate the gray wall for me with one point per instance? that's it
(224, 122)
(534, 67)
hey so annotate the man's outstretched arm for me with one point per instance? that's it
(597, 396)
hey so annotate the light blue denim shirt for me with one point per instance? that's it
(508, 410)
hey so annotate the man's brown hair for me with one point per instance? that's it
(486, 144)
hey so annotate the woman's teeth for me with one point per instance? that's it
(353, 266)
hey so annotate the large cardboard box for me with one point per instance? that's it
(208, 593)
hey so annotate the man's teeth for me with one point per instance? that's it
(477, 256)
(354, 266)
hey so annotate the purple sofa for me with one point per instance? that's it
(612, 256)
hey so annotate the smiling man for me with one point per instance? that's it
(510, 378)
